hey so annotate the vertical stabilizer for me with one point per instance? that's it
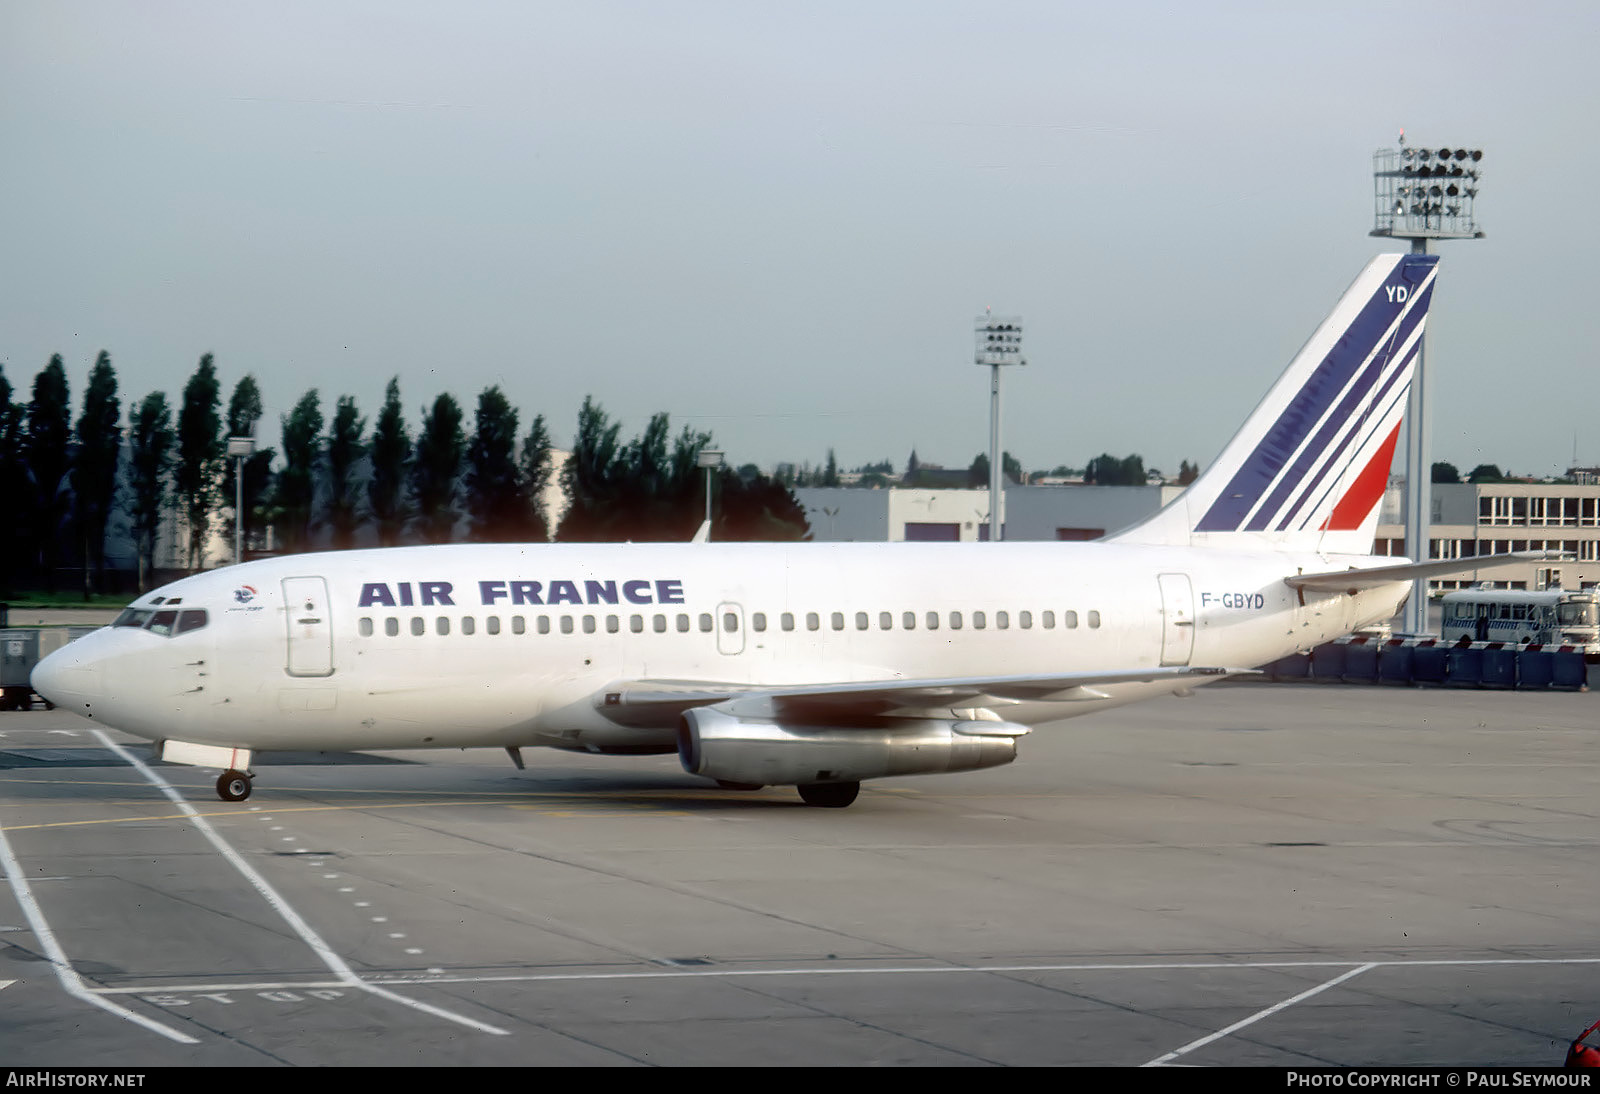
(1307, 471)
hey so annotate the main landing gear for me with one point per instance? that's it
(233, 786)
(829, 795)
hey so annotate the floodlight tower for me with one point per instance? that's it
(710, 459)
(999, 342)
(241, 449)
(1421, 194)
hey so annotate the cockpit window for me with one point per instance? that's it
(133, 617)
(162, 622)
(191, 619)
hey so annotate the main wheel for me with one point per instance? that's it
(829, 795)
(233, 786)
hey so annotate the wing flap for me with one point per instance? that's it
(661, 702)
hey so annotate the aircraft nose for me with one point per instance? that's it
(69, 680)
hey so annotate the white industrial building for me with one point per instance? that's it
(1467, 519)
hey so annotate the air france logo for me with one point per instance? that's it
(245, 593)
(406, 594)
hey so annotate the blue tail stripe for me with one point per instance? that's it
(1323, 443)
(1381, 409)
(1260, 469)
(1396, 366)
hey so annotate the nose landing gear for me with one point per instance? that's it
(234, 786)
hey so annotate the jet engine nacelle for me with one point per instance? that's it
(761, 752)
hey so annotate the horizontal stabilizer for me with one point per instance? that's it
(1351, 581)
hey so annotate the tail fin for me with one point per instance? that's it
(1307, 471)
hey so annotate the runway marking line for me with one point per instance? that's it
(1259, 1015)
(886, 970)
(332, 960)
(66, 975)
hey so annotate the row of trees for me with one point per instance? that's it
(65, 490)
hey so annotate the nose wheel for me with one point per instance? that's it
(233, 786)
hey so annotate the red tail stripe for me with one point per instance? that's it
(1366, 491)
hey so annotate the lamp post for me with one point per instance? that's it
(999, 342)
(1421, 194)
(241, 449)
(709, 458)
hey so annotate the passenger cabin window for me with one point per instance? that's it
(909, 621)
(1025, 620)
(955, 621)
(391, 626)
(442, 625)
(705, 623)
(979, 620)
(758, 621)
(813, 621)
(683, 623)
(886, 621)
(492, 624)
(517, 625)
(787, 621)
(417, 625)
(861, 621)
(1069, 620)
(468, 625)
(837, 619)
(659, 623)
(1002, 620)
(636, 624)
(1047, 620)
(566, 624)
(933, 621)
(366, 626)
(1094, 619)
(730, 621)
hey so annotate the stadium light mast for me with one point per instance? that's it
(999, 343)
(1421, 194)
(241, 449)
(710, 459)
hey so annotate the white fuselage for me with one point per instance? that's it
(515, 645)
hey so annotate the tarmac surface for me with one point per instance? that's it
(1255, 875)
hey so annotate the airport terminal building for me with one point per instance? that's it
(1467, 519)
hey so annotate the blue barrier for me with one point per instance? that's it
(1395, 664)
(1496, 666)
(1534, 668)
(1360, 663)
(1327, 662)
(1569, 670)
(1499, 668)
(1297, 666)
(1463, 667)
(1428, 664)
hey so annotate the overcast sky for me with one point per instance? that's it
(776, 222)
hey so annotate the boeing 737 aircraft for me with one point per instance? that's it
(814, 665)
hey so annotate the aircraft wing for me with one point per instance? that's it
(659, 702)
(1349, 581)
